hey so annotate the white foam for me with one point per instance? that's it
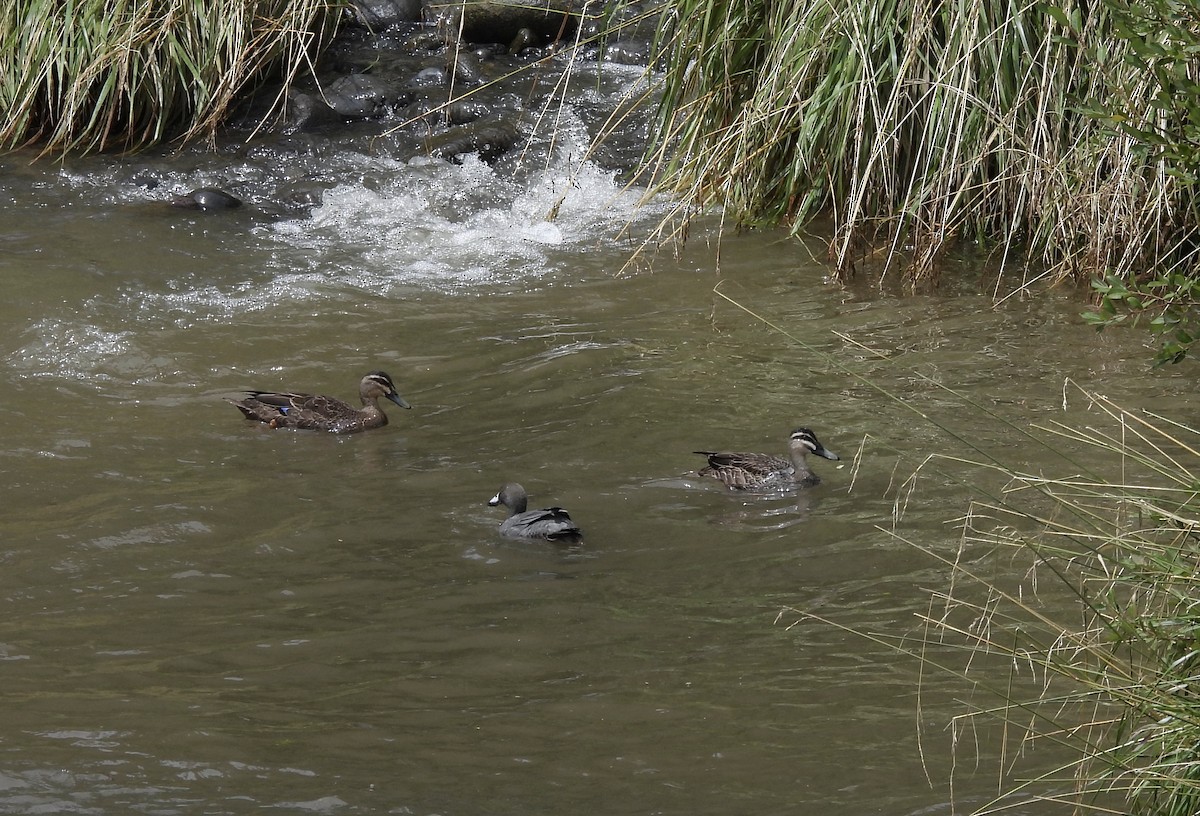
(426, 223)
(449, 225)
(77, 351)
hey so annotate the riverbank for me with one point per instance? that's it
(1060, 138)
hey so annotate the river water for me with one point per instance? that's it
(205, 616)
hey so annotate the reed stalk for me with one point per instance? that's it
(919, 125)
(1074, 605)
(122, 74)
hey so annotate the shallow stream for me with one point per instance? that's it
(205, 616)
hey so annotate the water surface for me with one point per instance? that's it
(202, 615)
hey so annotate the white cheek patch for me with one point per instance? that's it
(806, 442)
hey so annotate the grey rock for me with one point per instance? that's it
(431, 77)
(206, 198)
(490, 138)
(359, 96)
(378, 14)
(304, 111)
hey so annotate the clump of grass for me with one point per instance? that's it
(915, 125)
(122, 74)
(1114, 673)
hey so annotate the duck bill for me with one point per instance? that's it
(399, 400)
(827, 454)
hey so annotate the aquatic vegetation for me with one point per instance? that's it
(915, 126)
(1073, 604)
(1154, 105)
(122, 74)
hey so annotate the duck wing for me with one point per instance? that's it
(252, 408)
(552, 523)
(286, 409)
(284, 400)
(743, 470)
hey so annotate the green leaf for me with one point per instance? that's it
(1057, 14)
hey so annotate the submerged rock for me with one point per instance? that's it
(434, 76)
(460, 113)
(206, 198)
(305, 111)
(525, 38)
(625, 52)
(490, 138)
(466, 68)
(361, 96)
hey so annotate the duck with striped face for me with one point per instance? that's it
(317, 412)
(757, 471)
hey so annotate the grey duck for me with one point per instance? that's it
(553, 523)
(318, 412)
(747, 471)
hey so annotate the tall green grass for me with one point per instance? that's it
(1120, 680)
(122, 74)
(915, 125)
(1073, 605)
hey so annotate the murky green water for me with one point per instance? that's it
(202, 616)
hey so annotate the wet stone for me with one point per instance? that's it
(525, 38)
(206, 198)
(460, 113)
(377, 14)
(467, 69)
(305, 111)
(431, 77)
(490, 138)
(625, 52)
(360, 96)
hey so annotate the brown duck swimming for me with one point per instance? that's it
(747, 471)
(553, 523)
(318, 412)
